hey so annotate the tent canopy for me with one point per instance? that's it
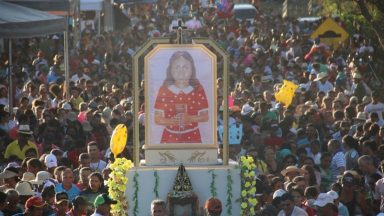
(91, 5)
(20, 22)
(56, 7)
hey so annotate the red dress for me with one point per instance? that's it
(171, 101)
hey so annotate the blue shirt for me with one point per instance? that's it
(72, 193)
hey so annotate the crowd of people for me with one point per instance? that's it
(321, 155)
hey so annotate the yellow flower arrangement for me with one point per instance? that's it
(117, 185)
(248, 186)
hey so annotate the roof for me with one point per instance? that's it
(21, 22)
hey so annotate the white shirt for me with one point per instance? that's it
(99, 165)
(75, 78)
(297, 211)
(326, 87)
(378, 108)
(96, 214)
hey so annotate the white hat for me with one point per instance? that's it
(323, 199)
(66, 106)
(50, 161)
(321, 75)
(291, 169)
(333, 194)
(279, 193)
(41, 176)
(24, 129)
(28, 176)
(246, 109)
(55, 37)
(24, 188)
(8, 173)
(248, 70)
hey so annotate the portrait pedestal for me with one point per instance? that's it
(174, 157)
(200, 177)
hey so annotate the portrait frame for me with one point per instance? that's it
(155, 67)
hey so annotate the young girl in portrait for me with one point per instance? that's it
(181, 102)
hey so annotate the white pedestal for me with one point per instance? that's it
(200, 178)
(174, 157)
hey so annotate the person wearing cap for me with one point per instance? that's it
(289, 208)
(61, 204)
(21, 144)
(50, 162)
(326, 206)
(342, 210)
(79, 207)
(213, 207)
(158, 208)
(33, 207)
(102, 205)
(10, 176)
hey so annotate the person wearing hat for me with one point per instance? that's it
(61, 204)
(323, 85)
(25, 191)
(326, 206)
(102, 205)
(291, 172)
(33, 207)
(213, 207)
(19, 147)
(79, 207)
(10, 177)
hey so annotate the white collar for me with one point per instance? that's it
(177, 90)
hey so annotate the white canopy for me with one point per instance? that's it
(91, 5)
(21, 22)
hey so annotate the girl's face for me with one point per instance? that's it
(181, 71)
(297, 198)
(94, 183)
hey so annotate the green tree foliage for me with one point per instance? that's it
(362, 16)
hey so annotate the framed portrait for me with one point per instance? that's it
(180, 97)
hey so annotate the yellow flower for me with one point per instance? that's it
(244, 205)
(252, 201)
(252, 211)
(247, 184)
(243, 193)
(252, 174)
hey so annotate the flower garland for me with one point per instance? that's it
(117, 185)
(156, 188)
(212, 186)
(228, 204)
(136, 193)
(248, 185)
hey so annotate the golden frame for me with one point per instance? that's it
(211, 96)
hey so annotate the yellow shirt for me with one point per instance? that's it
(14, 149)
(76, 102)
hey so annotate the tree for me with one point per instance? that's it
(362, 15)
